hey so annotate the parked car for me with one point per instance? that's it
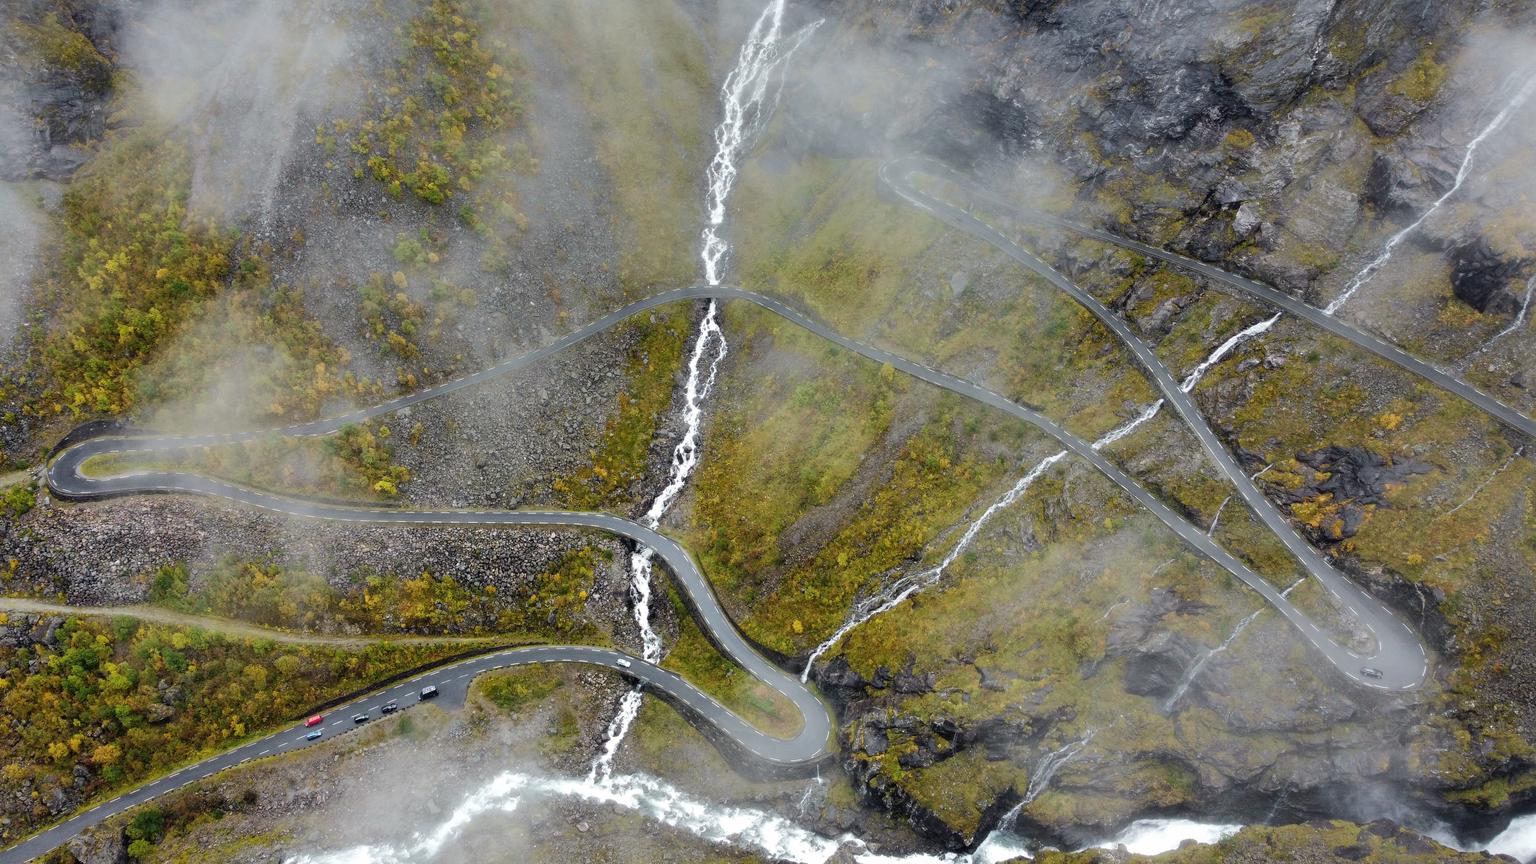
(315, 720)
(361, 718)
(429, 692)
(390, 707)
(314, 736)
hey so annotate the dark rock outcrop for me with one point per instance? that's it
(51, 106)
(1355, 479)
(1157, 666)
(1485, 280)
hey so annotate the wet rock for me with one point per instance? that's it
(1355, 478)
(1359, 474)
(1394, 185)
(1158, 665)
(1385, 108)
(1486, 281)
(990, 680)
(1134, 626)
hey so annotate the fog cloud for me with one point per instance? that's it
(241, 78)
(21, 230)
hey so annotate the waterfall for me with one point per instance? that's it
(1216, 520)
(1525, 307)
(1195, 668)
(743, 97)
(685, 457)
(1370, 270)
(898, 591)
(1155, 836)
(1045, 772)
(751, 90)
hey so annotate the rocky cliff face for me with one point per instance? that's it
(55, 81)
(1285, 141)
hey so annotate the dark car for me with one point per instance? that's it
(361, 718)
(429, 692)
(1370, 672)
(390, 707)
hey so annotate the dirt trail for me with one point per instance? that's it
(227, 626)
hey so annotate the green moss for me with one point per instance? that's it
(623, 454)
(51, 42)
(695, 658)
(516, 689)
(1239, 139)
(1423, 78)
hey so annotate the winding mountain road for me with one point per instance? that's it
(897, 175)
(1399, 660)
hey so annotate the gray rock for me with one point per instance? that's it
(1246, 221)
(1484, 280)
(99, 847)
(1158, 665)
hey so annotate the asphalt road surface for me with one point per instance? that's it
(1399, 661)
(899, 173)
(1399, 658)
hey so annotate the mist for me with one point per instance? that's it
(241, 79)
(23, 226)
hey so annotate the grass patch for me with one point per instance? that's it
(89, 707)
(651, 102)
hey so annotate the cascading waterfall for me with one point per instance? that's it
(746, 100)
(1216, 520)
(1370, 270)
(898, 591)
(685, 457)
(1045, 772)
(748, 97)
(1196, 667)
(1525, 308)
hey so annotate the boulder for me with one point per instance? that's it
(99, 847)
(1485, 280)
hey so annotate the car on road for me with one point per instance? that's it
(625, 663)
(361, 718)
(390, 707)
(314, 736)
(315, 720)
(429, 692)
(1370, 672)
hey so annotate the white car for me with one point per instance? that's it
(625, 664)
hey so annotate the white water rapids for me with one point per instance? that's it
(779, 839)
(1370, 270)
